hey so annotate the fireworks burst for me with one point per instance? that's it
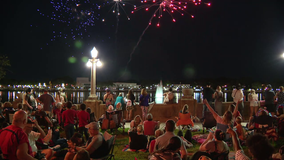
(116, 7)
(167, 6)
(164, 6)
(71, 19)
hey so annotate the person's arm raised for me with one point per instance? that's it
(215, 115)
(203, 146)
(235, 139)
(236, 108)
(42, 133)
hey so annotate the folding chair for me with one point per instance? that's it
(110, 143)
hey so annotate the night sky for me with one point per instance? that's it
(229, 39)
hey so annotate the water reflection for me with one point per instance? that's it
(80, 97)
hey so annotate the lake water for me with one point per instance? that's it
(79, 97)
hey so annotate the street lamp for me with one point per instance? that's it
(93, 63)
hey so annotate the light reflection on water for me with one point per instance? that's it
(80, 97)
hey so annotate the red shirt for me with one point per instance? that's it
(84, 118)
(69, 116)
(57, 112)
(9, 143)
(149, 127)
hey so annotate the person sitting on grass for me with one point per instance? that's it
(225, 121)
(137, 139)
(76, 140)
(240, 129)
(185, 141)
(34, 136)
(235, 113)
(135, 122)
(150, 126)
(42, 118)
(216, 147)
(170, 152)
(82, 155)
(158, 133)
(258, 145)
(184, 117)
(164, 139)
(96, 145)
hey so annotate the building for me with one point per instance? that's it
(83, 82)
(125, 85)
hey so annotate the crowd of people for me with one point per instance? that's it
(34, 130)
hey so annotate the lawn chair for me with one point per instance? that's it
(110, 155)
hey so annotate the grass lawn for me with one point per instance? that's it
(122, 140)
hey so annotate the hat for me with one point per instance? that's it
(269, 86)
(93, 125)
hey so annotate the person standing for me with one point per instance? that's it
(30, 100)
(84, 119)
(238, 97)
(207, 94)
(144, 103)
(108, 98)
(129, 106)
(269, 96)
(280, 97)
(48, 101)
(120, 100)
(253, 99)
(68, 118)
(59, 98)
(218, 96)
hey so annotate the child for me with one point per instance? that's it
(92, 115)
(240, 130)
(84, 119)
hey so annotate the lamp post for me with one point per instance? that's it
(93, 63)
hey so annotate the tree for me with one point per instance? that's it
(4, 62)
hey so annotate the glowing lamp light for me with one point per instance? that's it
(99, 63)
(283, 55)
(94, 52)
(89, 64)
(174, 20)
(147, 9)
(158, 24)
(192, 16)
(208, 4)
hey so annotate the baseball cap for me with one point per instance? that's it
(93, 125)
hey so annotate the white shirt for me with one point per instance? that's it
(163, 141)
(33, 137)
(253, 100)
(238, 95)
